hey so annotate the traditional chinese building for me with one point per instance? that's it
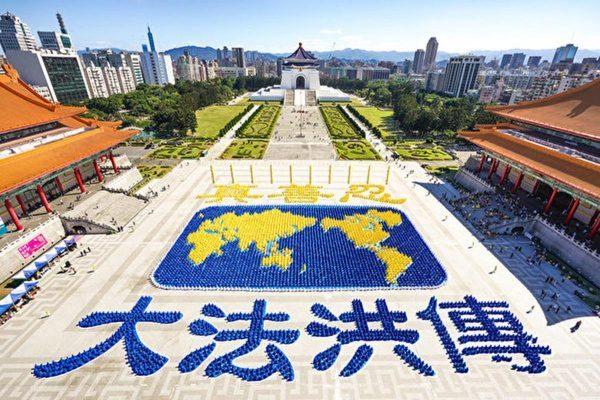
(46, 148)
(549, 148)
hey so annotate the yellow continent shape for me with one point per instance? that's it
(367, 231)
(262, 229)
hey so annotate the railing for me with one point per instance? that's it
(571, 238)
(33, 230)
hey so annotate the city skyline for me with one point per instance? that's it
(123, 25)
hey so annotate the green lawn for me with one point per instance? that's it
(355, 150)
(187, 148)
(150, 172)
(210, 120)
(418, 150)
(261, 124)
(245, 149)
(338, 124)
(382, 118)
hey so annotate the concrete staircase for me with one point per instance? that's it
(289, 98)
(311, 97)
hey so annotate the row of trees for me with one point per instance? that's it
(170, 110)
(416, 111)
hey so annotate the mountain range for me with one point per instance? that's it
(210, 53)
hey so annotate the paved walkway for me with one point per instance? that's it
(300, 134)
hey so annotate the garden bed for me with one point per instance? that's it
(245, 149)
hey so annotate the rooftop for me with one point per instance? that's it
(22, 107)
(576, 173)
(575, 112)
(301, 55)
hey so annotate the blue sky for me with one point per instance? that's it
(277, 26)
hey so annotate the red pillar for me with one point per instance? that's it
(535, 187)
(59, 185)
(113, 162)
(517, 184)
(13, 215)
(505, 174)
(98, 172)
(79, 180)
(594, 228)
(481, 164)
(22, 204)
(492, 168)
(550, 200)
(43, 198)
(571, 213)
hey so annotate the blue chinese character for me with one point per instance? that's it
(254, 335)
(140, 358)
(363, 333)
(485, 322)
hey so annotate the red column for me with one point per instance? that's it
(535, 187)
(550, 200)
(98, 172)
(492, 168)
(518, 183)
(481, 164)
(22, 204)
(505, 174)
(79, 180)
(572, 210)
(59, 184)
(13, 215)
(43, 198)
(113, 162)
(595, 228)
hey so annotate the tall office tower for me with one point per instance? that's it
(157, 67)
(219, 55)
(15, 34)
(151, 40)
(431, 53)
(506, 58)
(226, 53)
(418, 61)
(534, 61)
(517, 60)
(407, 66)
(58, 41)
(565, 54)
(461, 74)
(237, 54)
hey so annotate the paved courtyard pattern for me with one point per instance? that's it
(116, 273)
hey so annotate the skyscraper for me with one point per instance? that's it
(534, 61)
(517, 60)
(418, 61)
(565, 54)
(506, 58)
(15, 34)
(157, 67)
(431, 53)
(151, 40)
(461, 74)
(237, 54)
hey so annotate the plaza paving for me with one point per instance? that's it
(300, 134)
(116, 273)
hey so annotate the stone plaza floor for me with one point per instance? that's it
(300, 134)
(116, 273)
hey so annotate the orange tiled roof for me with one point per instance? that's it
(576, 111)
(23, 168)
(581, 175)
(22, 107)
